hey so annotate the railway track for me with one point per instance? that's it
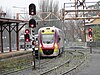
(61, 65)
(66, 66)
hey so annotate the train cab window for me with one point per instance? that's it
(48, 39)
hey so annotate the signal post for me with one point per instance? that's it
(32, 25)
(90, 38)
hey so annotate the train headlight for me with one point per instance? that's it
(40, 45)
(56, 46)
(40, 48)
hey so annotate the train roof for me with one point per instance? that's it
(49, 27)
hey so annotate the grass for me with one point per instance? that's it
(16, 62)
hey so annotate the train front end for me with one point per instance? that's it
(48, 45)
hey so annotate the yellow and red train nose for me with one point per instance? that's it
(49, 50)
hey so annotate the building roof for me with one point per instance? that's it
(94, 22)
(7, 20)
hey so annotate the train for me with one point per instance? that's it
(51, 41)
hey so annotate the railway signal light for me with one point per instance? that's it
(32, 23)
(32, 9)
(90, 32)
(27, 36)
(27, 31)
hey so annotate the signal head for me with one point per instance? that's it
(32, 23)
(27, 31)
(27, 37)
(89, 29)
(32, 9)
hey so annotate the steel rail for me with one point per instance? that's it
(75, 67)
(68, 61)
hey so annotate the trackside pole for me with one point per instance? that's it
(39, 53)
(33, 50)
(33, 61)
(25, 46)
(90, 46)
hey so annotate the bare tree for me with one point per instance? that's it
(73, 28)
(2, 13)
(8, 13)
(49, 6)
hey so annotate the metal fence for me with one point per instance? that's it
(94, 44)
(82, 44)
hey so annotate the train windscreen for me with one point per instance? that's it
(47, 38)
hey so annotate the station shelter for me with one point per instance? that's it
(10, 25)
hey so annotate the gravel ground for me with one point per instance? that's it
(54, 63)
(93, 65)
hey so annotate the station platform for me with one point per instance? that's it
(11, 54)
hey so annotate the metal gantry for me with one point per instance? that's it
(76, 11)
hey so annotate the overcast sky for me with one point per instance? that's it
(25, 3)
(20, 4)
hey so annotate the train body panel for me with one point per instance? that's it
(51, 41)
